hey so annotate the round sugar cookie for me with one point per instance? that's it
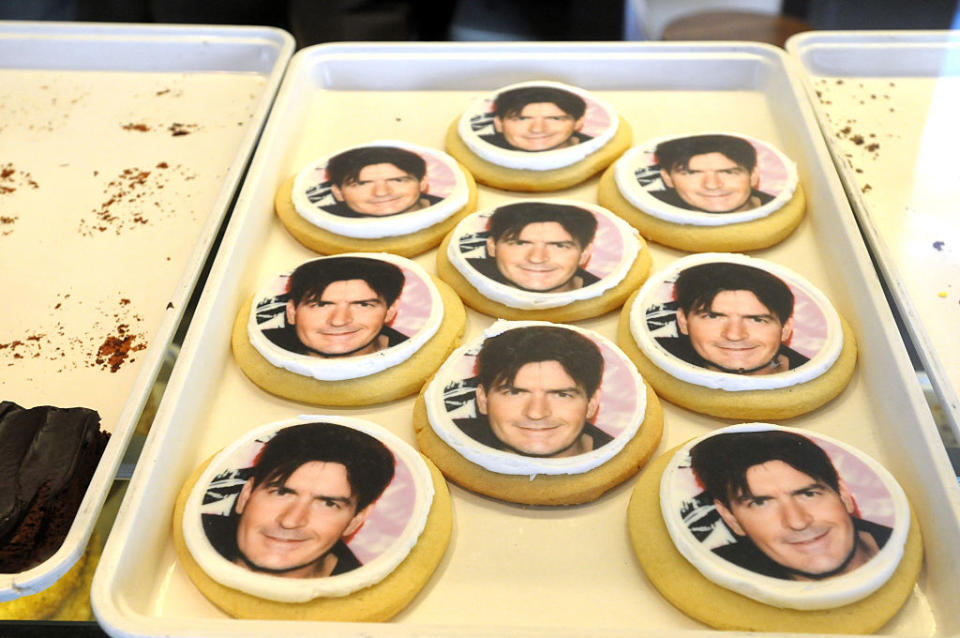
(537, 136)
(387, 196)
(576, 421)
(549, 260)
(365, 328)
(386, 561)
(768, 346)
(720, 192)
(687, 588)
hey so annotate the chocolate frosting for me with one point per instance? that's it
(40, 447)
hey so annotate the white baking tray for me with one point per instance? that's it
(514, 570)
(121, 147)
(901, 91)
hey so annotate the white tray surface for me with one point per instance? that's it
(113, 183)
(887, 104)
(511, 569)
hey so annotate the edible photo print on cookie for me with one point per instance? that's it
(537, 125)
(710, 179)
(308, 507)
(735, 322)
(537, 398)
(766, 511)
(543, 253)
(345, 316)
(382, 189)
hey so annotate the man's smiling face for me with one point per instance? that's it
(713, 182)
(286, 528)
(737, 332)
(539, 126)
(542, 257)
(797, 521)
(381, 189)
(346, 320)
(541, 413)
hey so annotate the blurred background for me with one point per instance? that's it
(316, 21)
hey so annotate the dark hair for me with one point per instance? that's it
(370, 465)
(507, 222)
(697, 286)
(511, 102)
(502, 356)
(346, 166)
(310, 279)
(720, 462)
(677, 153)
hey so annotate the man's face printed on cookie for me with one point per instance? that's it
(543, 257)
(541, 412)
(345, 321)
(736, 332)
(714, 183)
(799, 522)
(381, 189)
(288, 528)
(539, 126)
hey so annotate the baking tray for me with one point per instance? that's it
(886, 102)
(122, 148)
(510, 569)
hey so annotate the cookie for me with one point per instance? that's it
(347, 330)
(550, 260)
(359, 552)
(573, 421)
(865, 548)
(537, 136)
(387, 196)
(707, 192)
(737, 337)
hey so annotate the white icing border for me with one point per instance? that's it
(691, 373)
(298, 590)
(825, 594)
(528, 299)
(503, 462)
(388, 225)
(534, 160)
(641, 198)
(339, 369)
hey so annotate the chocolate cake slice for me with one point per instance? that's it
(47, 457)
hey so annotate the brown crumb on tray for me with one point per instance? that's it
(73, 346)
(11, 179)
(117, 348)
(132, 198)
(143, 128)
(176, 129)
